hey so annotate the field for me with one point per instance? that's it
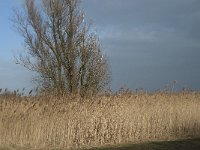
(52, 122)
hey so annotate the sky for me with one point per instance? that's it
(149, 43)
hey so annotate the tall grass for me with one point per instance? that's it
(71, 122)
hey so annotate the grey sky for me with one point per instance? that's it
(149, 43)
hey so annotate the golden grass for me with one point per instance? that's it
(71, 122)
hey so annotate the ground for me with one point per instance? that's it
(190, 144)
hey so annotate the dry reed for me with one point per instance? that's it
(71, 122)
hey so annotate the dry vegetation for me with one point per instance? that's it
(71, 122)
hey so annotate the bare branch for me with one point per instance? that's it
(61, 47)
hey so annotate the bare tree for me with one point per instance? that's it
(61, 47)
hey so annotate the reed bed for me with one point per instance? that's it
(47, 122)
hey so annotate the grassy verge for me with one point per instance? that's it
(189, 144)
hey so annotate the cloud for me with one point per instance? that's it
(149, 42)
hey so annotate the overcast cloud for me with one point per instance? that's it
(149, 43)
